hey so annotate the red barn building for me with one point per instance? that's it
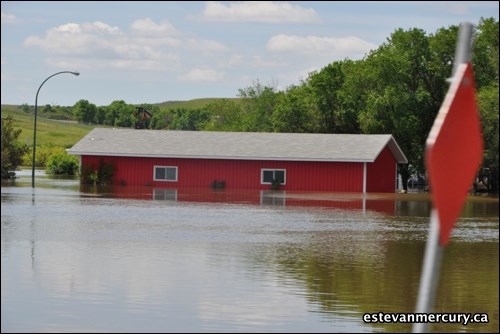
(244, 160)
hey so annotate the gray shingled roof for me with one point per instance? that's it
(236, 145)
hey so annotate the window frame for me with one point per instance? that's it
(165, 179)
(165, 194)
(274, 170)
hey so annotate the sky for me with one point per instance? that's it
(152, 52)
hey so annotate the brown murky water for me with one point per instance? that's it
(78, 259)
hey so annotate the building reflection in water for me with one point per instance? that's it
(383, 203)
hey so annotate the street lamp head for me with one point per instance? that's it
(75, 73)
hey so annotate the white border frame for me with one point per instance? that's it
(162, 180)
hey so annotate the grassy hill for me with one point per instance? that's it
(51, 132)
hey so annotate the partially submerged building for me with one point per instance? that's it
(244, 160)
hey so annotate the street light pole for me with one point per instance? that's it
(34, 128)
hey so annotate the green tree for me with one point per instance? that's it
(326, 87)
(12, 150)
(26, 108)
(224, 115)
(161, 120)
(258, 104)
(296, 111)
(85, 112)
(485, 53)
(120, 114)
(189, 119)
(48, 109)
(485, 61)
(488, 107)
(396, 97)
(100, 115)
(442, 46)
(125, 114)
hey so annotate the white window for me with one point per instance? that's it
(269, 176)
(165, 194)
(273, 198)
(165, 173)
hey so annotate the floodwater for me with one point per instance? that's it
(87, 259)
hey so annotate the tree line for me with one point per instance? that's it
(396, 89)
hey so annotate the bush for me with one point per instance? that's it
(62, 163)
(218, 184)
(43, 154)
(102, 175)
(275, 184)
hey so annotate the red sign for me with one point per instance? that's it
(454, 150)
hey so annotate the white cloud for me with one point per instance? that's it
(340, 47)
(8, 18)
(260, 61)
(146, 46)
(198, 74)
(254, 61)
(77, 39)
(147, 27)
(236, 59)
(165, 62)
(259, 11)
(205, 45)
(100, 28)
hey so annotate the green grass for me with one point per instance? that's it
(49, 132)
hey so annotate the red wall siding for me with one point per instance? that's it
(243, 174)
(381, 174)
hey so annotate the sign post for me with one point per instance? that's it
(453, 154)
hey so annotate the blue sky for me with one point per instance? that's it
(151, 52)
